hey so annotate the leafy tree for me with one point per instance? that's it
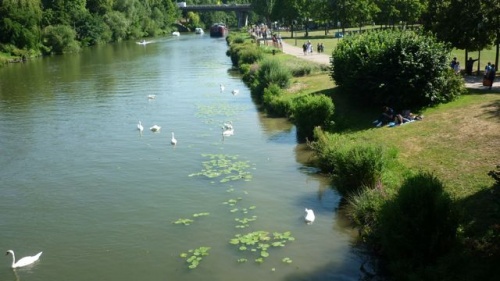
(60, 39)
(264, 8)
(20, 23)
(403, 69)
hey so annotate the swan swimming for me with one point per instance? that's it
(151, 97)
(173, 141)
(140, 127)
(228, 126)
(176, 33)
(24, 261)
(155, 128)
(310, 217)
(227, 132)
(221, 88)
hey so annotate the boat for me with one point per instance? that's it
(143, 42)
(176, 33)
(218, 30)
(199, 30)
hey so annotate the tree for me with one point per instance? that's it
(264, 8)
(20, 23)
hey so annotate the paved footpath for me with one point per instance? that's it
(473, 82)
(321, 58)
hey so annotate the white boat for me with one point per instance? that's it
(176, 33)
(199, 30)
(143, 42)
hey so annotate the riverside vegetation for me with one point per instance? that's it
(424, 196)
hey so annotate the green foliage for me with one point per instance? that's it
(417, 227)
(271, 71)
(225, 166)
(310, 111)
(261, 242)
(363, 208)
(403, 69)
(60, 39)
(353, 167)
(194, 256)
(276, 103)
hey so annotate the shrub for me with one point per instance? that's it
(270, 72)
(404, 69)
(358, 166)
(276, 103)
(417, 227)
(362, 209)
(310, 111)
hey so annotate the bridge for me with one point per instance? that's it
(240, 9)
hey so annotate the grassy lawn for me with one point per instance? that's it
(458, 141)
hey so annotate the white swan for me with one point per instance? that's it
(235, 92)
(151, 97)
(227, 132)
(155, 128)
(176, 33)
(310, 217)
(140, 127)
(221, 88)
(173, 141)
(228, 126)
(24, 261)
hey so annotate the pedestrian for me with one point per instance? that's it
(453, 62)
(469, 65)
(491, 75)
(304, 48)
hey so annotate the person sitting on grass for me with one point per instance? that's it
(406, 116)
(386, 116)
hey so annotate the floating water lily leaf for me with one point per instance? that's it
(225, 166)
(287, 260)
(262, 239)
(183, 221)
(195, 256)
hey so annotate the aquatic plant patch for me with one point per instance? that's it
(260, 242)
(189, 221)
(212, 113)
(226, 167)
(194, 256)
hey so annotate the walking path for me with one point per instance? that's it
(472, 82)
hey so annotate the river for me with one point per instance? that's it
(104, 201)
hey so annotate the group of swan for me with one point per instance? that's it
(23, 261)
(155, 128)
(234, 92)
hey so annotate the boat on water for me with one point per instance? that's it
(218, 30)
(199, 30)
(143, 42)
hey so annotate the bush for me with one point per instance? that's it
(310, 111)
(359, 166)
(60, 39)
(417, 227)
(403, 69)
(362, 209)
(270, 72)
(276, 103)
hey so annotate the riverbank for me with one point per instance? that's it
(457, 142)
